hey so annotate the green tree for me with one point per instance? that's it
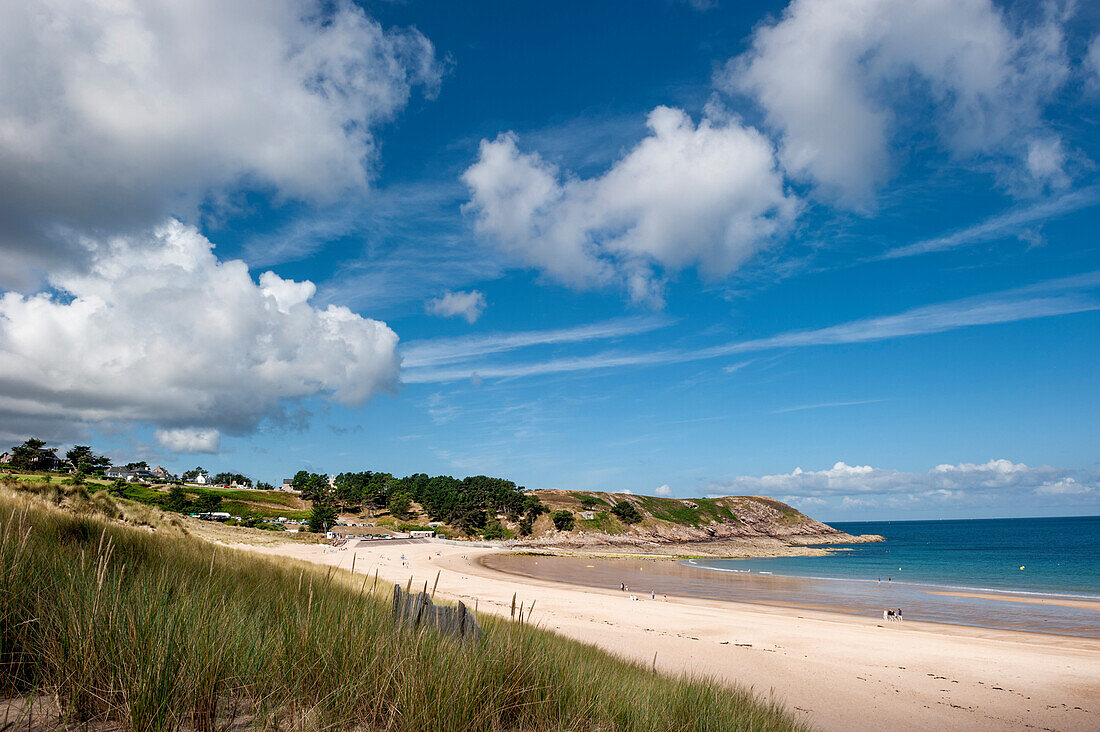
(262, 486)
(311, 485)
(79, 455)
(82, 457)
(141, 464)
(533, 507)
(525, 526)
(321, 517)
(563, 520)
(118, 488)
(229, 478)
(251, 519)
(29, 455)
(588, 502)
(626, 512)
(399, 505)
(177, 499)
(494, 530)
(208, 502)
(193, 473)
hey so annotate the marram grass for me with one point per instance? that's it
(156, 630)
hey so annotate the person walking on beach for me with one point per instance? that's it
(898, 614)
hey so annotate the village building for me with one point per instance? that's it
(162, 474)
(43, 459)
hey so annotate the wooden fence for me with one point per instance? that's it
(417, 610)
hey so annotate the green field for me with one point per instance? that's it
(677, 512)
(154, 631)
(269, 504)
(602, 522)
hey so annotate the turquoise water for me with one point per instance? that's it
(1019, 574)
(1058, 556)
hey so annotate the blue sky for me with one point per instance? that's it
(839, 253)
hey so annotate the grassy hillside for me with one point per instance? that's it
(674, 519)
(269, 504)
(148, 628)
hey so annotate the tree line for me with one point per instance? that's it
(471, 505)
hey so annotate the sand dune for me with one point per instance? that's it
(842, 672)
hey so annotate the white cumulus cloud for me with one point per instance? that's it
(849, 486)
(469, 305)
(663, 490)
(190, 440)
(158, 331)
(839, 79)
(116, 114)
(706, 195)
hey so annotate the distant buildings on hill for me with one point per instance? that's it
(41, 459)
(158, 474)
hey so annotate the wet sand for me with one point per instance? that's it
(838, 670)
(862, 598)
(1009, 597)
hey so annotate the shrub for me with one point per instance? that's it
(626, 512)
(208, 502)
(563, 520)
(177, 499)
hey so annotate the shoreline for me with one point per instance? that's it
(738, 547)
(911, 675)
(493, 563)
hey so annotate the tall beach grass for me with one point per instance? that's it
(150, 629)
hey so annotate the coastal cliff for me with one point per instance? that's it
(726, 526)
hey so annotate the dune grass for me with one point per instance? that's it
(152, 629)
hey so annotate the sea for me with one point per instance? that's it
(1039, 575)
(1039, 556)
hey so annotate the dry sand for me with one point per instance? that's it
(841, 672)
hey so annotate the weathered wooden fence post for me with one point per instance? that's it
(418, 610)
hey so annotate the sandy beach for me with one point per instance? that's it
(840, 671)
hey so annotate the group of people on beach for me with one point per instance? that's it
(623, 587)
(892, 615)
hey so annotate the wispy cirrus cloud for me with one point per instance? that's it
(438, 362)
(421, 354)
(1011, 223)
(828, 405)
